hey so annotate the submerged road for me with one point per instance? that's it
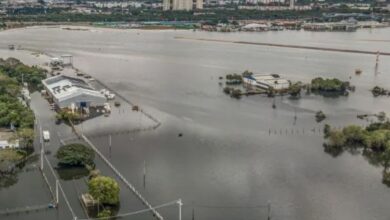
(288, 46)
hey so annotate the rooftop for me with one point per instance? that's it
(63, 87)
(269, 78)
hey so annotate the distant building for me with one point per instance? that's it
(292, 4)
(272, 81)
(68, 92)
(182, 5)
(255, 27)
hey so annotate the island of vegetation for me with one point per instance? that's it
(379, 91)
(320, 116)
(329, 86)
(236, 86)
(75, 155)
(373, 142)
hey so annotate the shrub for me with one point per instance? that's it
(236, 93)
(354, 134)
(327, 130)
(336, 139)
(226, 90)
(104, 214)
(75, 155)
(104, 189)
(295, 89)
(320, 116)
(329, 85)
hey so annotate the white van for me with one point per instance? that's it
(46, 135)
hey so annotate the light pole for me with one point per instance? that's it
(42, 146)
(144, 174)
(57, 198)
(109, 143)
(269, 210)
(180, 203)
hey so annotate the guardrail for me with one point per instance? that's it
(124, 180)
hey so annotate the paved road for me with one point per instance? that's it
(62, 133)
(45, 118)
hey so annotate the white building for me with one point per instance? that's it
(255, 27)
(183, 5)
(6, 142)
(69, 91)
(273, 81)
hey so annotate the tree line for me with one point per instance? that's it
(13, 113)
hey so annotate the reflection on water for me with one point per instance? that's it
(9, 170)
(8, 179)
(70, 173)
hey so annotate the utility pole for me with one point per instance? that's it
(109, 143)
(269, 210)
(42, 157)
(377, 62)
(42, 145)
(179, 202)
(57, 198)
(144, 174)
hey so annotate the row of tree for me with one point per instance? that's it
(13, 113)
(103, 189)
(211, 15)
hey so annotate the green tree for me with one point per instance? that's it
(385, 157)
(377, 140)
(26, 135)
(104, 214)
(336, 139)
(104, 189)
(295, 89)
(75, 155)
(354, 134)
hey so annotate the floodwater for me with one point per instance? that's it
(227, 164)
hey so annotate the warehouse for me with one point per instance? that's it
(273, 81)
(69, 92)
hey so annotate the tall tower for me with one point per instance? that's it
(188, 5)
(182, 5)
(166, 5)
(292, 4)
(199, 4)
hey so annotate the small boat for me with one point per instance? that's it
(11, 47)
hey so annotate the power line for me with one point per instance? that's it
(229, 207)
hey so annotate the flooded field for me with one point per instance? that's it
(234, 157)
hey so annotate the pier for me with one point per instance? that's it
(288, 46)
